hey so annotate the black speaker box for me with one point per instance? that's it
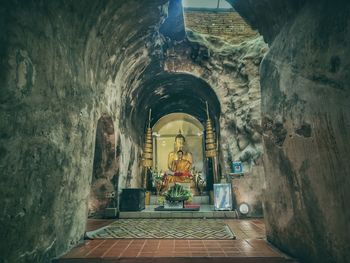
(132, 199)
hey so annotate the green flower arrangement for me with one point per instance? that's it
(158, 180)
(157, 176)
(177, 193)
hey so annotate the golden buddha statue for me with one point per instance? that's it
(173, 156)
(180, 165)
(179, 162)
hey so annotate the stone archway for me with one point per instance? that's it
(167, 128)
(105, 168)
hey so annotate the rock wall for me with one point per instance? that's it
(306, 120)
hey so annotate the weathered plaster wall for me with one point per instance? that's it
(306, 121)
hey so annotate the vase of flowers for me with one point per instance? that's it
(158, 179)
(175, 196)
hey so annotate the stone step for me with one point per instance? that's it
(196, 200)
(206, 211)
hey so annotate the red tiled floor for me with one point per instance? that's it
(248, 248)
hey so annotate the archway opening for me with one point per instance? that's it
(167, 128)
(166, 93)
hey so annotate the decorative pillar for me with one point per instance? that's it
(147, 156)
(211, 146)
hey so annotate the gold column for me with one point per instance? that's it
(210, 145)
(147, 156)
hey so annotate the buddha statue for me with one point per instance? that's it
(181, 165)
(179, 145)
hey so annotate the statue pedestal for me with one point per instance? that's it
(197, 200)
(178, 204)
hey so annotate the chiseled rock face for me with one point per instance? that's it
(306, 119)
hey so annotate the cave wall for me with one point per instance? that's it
(47, 130)
(63, 65)
(306, 119)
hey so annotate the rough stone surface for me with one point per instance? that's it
(306, 120)
(249, 189)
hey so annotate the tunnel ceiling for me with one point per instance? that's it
(167, 93)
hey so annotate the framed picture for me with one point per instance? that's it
(222, 197)
(237, 168)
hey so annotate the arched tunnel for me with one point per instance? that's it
(167, 93)
(278, 101)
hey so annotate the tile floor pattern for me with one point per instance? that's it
(165, 229)
(248, 248)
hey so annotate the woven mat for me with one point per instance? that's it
(164, 229)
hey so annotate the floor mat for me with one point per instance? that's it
(164, 229)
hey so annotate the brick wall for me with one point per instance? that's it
(225, 24)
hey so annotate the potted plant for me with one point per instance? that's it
(176, 196)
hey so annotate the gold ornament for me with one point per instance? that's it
(210, 144)
(147, 156)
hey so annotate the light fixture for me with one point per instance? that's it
(244, 208)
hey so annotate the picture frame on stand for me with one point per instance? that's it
(222, 197)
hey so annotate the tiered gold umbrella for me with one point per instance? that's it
(147, 156)
(210, 145)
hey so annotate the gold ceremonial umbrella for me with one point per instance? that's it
(210, 145)
(147, 155)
